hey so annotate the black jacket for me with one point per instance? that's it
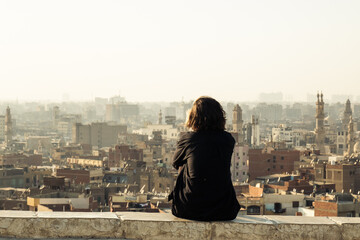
(203, 189)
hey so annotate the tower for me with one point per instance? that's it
(320, 130)
(350, 138)
(237, 123)
(55, 116)
(347, 115)
(255, 131)
(160, 117)
(8, 127)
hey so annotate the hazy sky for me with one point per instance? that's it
(169, 50)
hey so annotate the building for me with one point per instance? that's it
(122, 153)
(239, 163)
(21, 159)
(346, 177)
(255, 131)
(121, 110)
(97, 134)
(237, 124)
(320, 129)
(61, 202)
(79, 176)
(263, 162)
(285, 134)
(337, 205)
(168, 132)
(8, 131)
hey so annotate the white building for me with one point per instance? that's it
(285, 134)
(168, 132)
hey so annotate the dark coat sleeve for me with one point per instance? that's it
(179, 158)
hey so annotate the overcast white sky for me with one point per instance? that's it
(169, 50)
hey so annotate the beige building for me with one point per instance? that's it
(85, 162)
(98, 134)
(168, 132)
(40, 144)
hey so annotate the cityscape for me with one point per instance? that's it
(110, 155)
(95, 98)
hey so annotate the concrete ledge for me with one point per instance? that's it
(132, 225)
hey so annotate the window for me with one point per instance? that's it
(274, 166)
(281, 167)
(268, 160)
(295, 204)
(274, 157)
(268, 169)
(282, 158)
(243, 173)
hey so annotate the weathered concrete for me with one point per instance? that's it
(131, 225)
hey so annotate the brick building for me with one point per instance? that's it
(21, 159)
(123, 153)
(344, 176)
(270, 161)
(79, 176)
(337, 205)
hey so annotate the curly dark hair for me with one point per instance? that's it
(206, 114)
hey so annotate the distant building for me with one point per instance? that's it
(69, 202)
(122, 153)
(269, 161)
(285, 134)
(320, 129)
(167, 131)
(78, 176)
(337, 205)
(21, 159)
(8, 128)
(114, 112)
(97, 134)
(255, 131)
(346, 177)
(239, 163)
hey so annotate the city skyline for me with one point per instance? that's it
(165, 51)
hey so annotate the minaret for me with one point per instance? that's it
(320, 130)
(255, 131)
(237, 123)
(8, 127)
(55, 116)
(160, 117)
(350, 138)
(347, 115)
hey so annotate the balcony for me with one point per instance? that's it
(134, 225)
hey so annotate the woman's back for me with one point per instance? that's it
(204, 190)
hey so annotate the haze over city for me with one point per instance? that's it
(169, 51)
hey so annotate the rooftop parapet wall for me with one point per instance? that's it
(131, 225)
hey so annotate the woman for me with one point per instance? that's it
(203, 189)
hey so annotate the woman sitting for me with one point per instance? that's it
(203, 189)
